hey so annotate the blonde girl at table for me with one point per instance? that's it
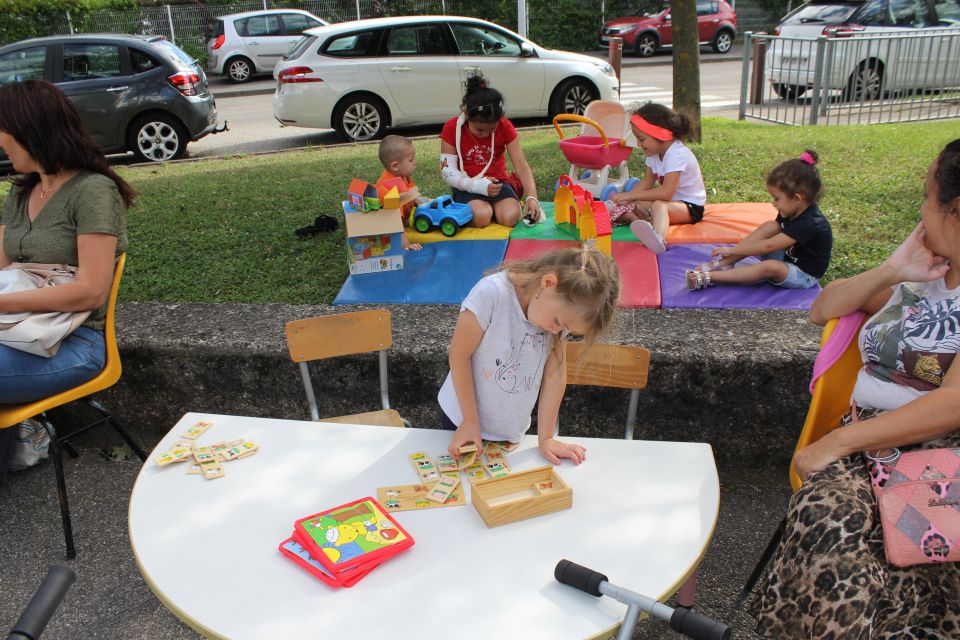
(507, 352)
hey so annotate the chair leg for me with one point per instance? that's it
(61, 486)
(96, 406)
(688, 591)
(761, 567)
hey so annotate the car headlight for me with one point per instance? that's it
(605, 68)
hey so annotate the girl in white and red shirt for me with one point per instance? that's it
(473, 163)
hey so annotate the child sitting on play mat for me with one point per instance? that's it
(671, 190)
(508, 348)
(472, 160)
(399, 159)
(796, 245)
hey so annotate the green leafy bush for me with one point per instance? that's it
(34, 18)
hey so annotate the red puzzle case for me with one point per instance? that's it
(293, 550)
(351, 535)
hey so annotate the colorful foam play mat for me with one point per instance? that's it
(443, 272)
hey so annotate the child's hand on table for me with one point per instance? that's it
(553, 450)
(466, 433)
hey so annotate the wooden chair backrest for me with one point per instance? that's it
(607, 365)
(342, 334)
(831, 396)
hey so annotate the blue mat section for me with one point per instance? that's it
(440, 273)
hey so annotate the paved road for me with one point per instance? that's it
(248, 108)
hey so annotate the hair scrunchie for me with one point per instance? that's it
(806, 158)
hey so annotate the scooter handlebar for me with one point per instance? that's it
(44, 603)
(693, 625)
(578, 577)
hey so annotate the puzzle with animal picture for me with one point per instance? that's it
(496, 469)
(193, 432)
(424, 466)
(351, 535)
(475, 472)
(409, 497)
(444, 488)
(446, 463)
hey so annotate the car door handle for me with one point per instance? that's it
(476, 68)
(117, 89)
(399, 68)
(714, 21)
(253, 42)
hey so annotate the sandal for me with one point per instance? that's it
(697, 280)
(321, 224)
(645, 232)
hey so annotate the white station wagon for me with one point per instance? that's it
(364, 76)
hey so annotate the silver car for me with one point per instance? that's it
(245, 44)
(134, 93)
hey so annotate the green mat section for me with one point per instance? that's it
(548, 230)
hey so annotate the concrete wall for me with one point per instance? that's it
(735, 379)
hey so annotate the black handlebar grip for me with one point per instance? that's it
(693, 625)
(44, 602)
(572, 574)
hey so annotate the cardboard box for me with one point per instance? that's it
(517, 496)
(374, 240)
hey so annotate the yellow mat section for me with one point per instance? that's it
(491, 232)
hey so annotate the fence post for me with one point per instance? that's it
(757, 84)
(817, 81)
(443, 6)
(173, 36)
(69, 22)
(615, 57)
(745, 74)
(264, 5)
(358, 9)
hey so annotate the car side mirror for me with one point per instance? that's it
(526, 50)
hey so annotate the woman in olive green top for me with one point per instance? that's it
(67, 207)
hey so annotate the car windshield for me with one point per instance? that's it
(822, 14)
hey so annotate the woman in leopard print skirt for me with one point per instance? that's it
(830, 578)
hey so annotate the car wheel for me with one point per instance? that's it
(361, 117)
(157, 138)
(646, 45)
(421, 224)
(572, 96)
(722, 41)
(239, 70)
(865, 82)
(789, 91)
(448, 227)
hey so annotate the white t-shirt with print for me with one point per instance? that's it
(679, 158)
(908, 345)
(507, 365)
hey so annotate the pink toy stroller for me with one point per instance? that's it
(593, 154)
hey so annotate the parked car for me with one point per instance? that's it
(444, 213)
(646, 34)
(135, 93)
(365, 76)
(864, 65)
(245, 44)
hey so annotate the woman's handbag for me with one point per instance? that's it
(918, 500)
(39, 333)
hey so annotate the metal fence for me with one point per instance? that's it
(852, 78)
(190, 26)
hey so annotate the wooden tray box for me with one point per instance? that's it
(514, 497)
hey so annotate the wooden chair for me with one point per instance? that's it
(610, 365)
(830, 401)
(13, 414)
(342, 335)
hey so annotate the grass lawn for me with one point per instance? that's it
(222, 230)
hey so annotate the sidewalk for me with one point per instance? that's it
(265, 84)
(111, 600)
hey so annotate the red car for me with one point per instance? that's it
(653, 30)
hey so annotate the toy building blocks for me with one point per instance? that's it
(374, 237)
(362, 196)
(444, 213)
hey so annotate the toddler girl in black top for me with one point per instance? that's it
(796, 245)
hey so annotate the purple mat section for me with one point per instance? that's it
(675, 261)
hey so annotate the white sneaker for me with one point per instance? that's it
(648, 236)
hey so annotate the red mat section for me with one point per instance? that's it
(639, 274)
(725, 223)
(523, 249)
